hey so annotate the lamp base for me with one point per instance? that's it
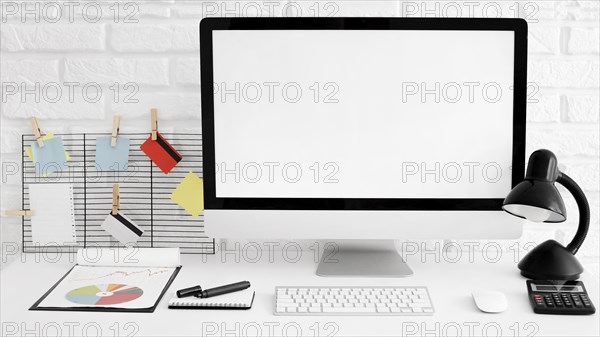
(550, 261)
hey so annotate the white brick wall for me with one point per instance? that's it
(53, 37)
(106, 71)
(151, 49)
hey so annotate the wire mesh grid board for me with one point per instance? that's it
(144, 194)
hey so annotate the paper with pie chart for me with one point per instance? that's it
(133, 284)
(109, 287)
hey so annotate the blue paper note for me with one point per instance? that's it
(110, 158)
(50, 158)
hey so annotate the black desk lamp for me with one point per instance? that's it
(537, 199)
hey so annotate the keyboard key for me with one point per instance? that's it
(349, 310)
(419, 305)
(420, 300)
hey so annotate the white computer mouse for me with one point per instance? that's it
(490, 301)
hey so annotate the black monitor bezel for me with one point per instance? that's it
(208, 25)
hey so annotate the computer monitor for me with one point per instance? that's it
(362, 129)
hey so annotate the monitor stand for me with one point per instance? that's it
(362, 258)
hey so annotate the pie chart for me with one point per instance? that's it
(104, 294)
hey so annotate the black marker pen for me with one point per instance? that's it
(226, 289)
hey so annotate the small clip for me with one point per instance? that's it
(154, 123)
(36, 131)
(115, 130)
(115, 199)
(23, 212)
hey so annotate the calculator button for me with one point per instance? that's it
(586, 301)
(557, 300)
(576, 302)
(538, 300)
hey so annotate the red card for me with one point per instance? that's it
(161, 153)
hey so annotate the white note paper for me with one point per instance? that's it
(53, 219)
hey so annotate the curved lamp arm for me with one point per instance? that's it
(584, 211)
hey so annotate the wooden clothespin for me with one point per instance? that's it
(115, 130)
(36, 131)
(24, 212)
(115, 199)
(154, 123)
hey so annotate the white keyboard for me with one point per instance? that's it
(352, 301)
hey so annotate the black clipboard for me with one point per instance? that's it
(36, 306)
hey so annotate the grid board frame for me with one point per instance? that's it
(144, 194)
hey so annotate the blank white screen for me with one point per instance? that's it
(362, 131)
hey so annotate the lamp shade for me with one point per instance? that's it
(537, 201)
(536, 198)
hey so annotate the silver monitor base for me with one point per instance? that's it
(362, 259)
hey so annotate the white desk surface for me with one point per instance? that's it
(450, 286)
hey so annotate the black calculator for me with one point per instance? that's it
(559, 297)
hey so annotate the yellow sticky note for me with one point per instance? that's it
(47, 136)
(189, 194)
